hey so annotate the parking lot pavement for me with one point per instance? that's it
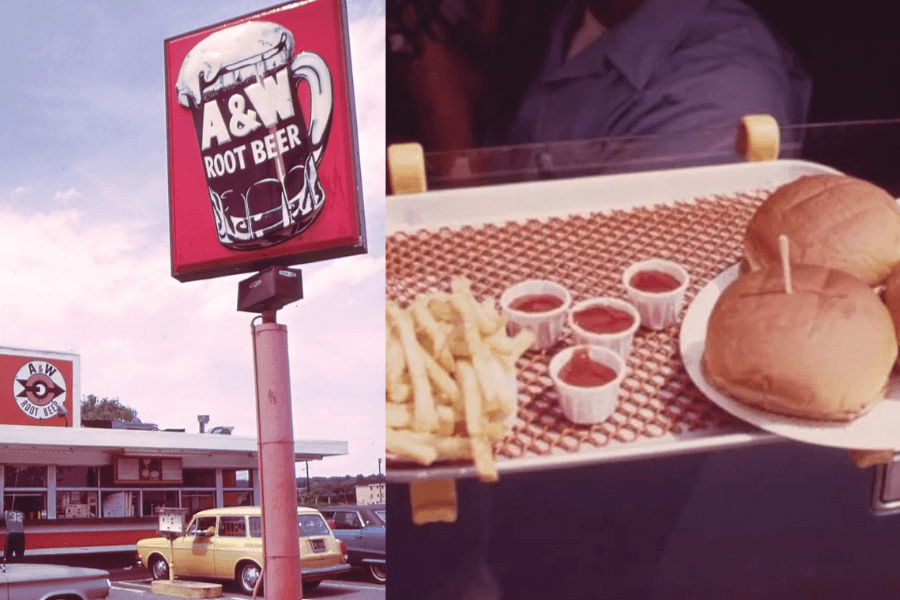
(128, 573)
(332, 589)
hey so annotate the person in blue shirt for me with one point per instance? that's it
(601, 69)
(651, 67)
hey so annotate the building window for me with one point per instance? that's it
(118, 503)
(200, 478)
(32, 504)
(156, 499)
(25, 490)
(236, 478)
(195, 501)
(244, 498)
(237, 487)
(76, 504)
(77, 477)
(72, 500)
(25, 476)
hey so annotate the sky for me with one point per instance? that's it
(84, 256)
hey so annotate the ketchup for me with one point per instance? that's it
(583, 371)
(654, 281)
(536, 303)
(603, 319)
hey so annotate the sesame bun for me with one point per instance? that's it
(823, 352)
(831, 220)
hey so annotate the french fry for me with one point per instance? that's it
(439, 305)
(424, 415)
(397, 416)
(467, 307)
(406, 443)
(395, 364)
(462, 293)
(482, 454)
(437, 333)
(505, 387)
(451, 378)
(454, 447)
(442, 381)
(400, 393)
(472, 400)
(495, 431)
(509, 348)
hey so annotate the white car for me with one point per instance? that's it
(19, 581)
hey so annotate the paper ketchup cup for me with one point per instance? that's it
(539, 306)
(605, 321)
(588, 379)
(656, 287)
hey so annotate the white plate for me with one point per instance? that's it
(878, 429)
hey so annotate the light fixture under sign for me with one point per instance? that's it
(270, 290)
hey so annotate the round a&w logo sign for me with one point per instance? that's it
(36, 385)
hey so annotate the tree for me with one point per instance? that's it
(107, 409)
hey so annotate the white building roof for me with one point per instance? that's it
(80, 446)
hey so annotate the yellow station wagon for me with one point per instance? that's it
(226, 543)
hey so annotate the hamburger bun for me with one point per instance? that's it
(823, 352)
(892, 296)
(831, 220)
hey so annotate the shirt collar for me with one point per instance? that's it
(635, 47)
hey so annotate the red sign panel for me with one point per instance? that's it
(38, 388)
(263, 152)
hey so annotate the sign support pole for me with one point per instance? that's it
(171, 562)
(278, 483)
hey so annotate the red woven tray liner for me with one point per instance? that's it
(587, 254)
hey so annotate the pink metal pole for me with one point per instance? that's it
(278, 483)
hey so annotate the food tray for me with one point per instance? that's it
(583, 233)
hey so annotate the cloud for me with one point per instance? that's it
(368, 62)
(173, 351)
(66, 196)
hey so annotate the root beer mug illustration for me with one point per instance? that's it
(259, 156)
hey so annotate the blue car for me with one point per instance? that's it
(362, 529)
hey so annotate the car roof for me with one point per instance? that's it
(21, 572)
(354, 507)
(245, 510)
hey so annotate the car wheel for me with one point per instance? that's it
(309, 586)
(159, 568)
(378, 572)
(247, 576)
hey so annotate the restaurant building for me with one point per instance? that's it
(87, 489)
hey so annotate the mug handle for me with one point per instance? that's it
(312, 69)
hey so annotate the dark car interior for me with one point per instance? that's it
(851, 55)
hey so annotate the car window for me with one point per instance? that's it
(256, 527)
(232, 527)
(312, 525)
(202, 524)
(382, 514)
(372, 519)
(347, 519)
